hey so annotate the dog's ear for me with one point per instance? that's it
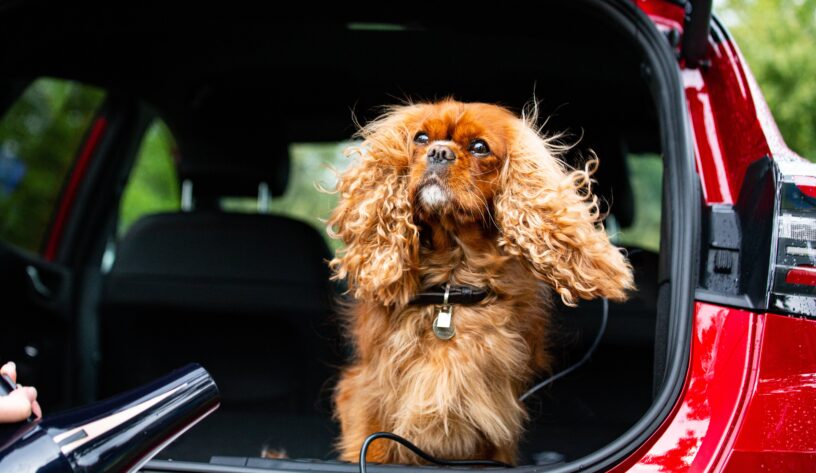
(548, 215)
(374, 215)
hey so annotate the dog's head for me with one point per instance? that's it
(465, 163)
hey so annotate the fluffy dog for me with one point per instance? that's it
(463, 194)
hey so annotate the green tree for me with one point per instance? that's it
(153, 185)
(41, 134)
(778, 40)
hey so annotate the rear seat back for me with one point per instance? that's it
(247, 296)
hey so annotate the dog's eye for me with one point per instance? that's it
(421, 138)
(479, 148)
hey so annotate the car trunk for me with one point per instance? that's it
(235, 85)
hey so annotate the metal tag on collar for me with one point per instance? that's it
(443, 323)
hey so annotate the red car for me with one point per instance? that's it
(146, 222)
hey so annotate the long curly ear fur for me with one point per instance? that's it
(548, 215)
(374, 217)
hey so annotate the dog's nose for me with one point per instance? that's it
(440, 154)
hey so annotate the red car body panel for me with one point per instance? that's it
(749, 401)
(696, 431)
(777, 429)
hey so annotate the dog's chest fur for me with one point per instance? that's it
(457, 396)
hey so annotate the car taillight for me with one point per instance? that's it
(793, 287)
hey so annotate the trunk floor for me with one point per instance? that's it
(571, 418)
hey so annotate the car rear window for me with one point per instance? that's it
(154, 187)
(40, 135)
(313, 166)
(646, 175)
(153, 184)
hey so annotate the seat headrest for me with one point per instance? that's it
(209, 261)
(235, 169)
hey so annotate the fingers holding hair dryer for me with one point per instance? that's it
(17, 403)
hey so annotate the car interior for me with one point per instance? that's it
(248, 295)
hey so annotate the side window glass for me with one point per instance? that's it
(40, 135)
(153, 185)
(646, 174)
(312, 165)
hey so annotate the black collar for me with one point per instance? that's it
(457, 295)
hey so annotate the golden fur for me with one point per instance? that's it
(518, 221)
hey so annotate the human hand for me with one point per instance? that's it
(19, 404)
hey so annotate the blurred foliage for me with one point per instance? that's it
(778, 40)
(153, 186)
(39, 137)
(646, 174)
(309, 194)
(316, 164)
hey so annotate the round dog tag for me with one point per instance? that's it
(443, 323)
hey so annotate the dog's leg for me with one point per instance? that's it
(506, 454)
(357, 418)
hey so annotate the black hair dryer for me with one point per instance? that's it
(116, 434)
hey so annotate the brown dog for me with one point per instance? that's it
(465, 194)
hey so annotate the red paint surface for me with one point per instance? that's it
(696, 434)
(665, 14)
(728, 132)
(708, 150)
(778, 428)
(749, 403)
(732, 124)
(69, 194)
(806, 185)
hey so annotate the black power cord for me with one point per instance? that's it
(580, 362)
(550, 380)
(421, 454)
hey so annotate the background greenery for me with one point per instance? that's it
(308, 195)
(42, 132)
(39, 137)
(778, 40)
(646, 174)
(153, 186)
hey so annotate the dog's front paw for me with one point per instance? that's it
(267, 451)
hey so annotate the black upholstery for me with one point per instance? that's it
(216, 261)
(247, 296)
(212, 175)
(613, 183)
(601, 400)
(632, 322)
